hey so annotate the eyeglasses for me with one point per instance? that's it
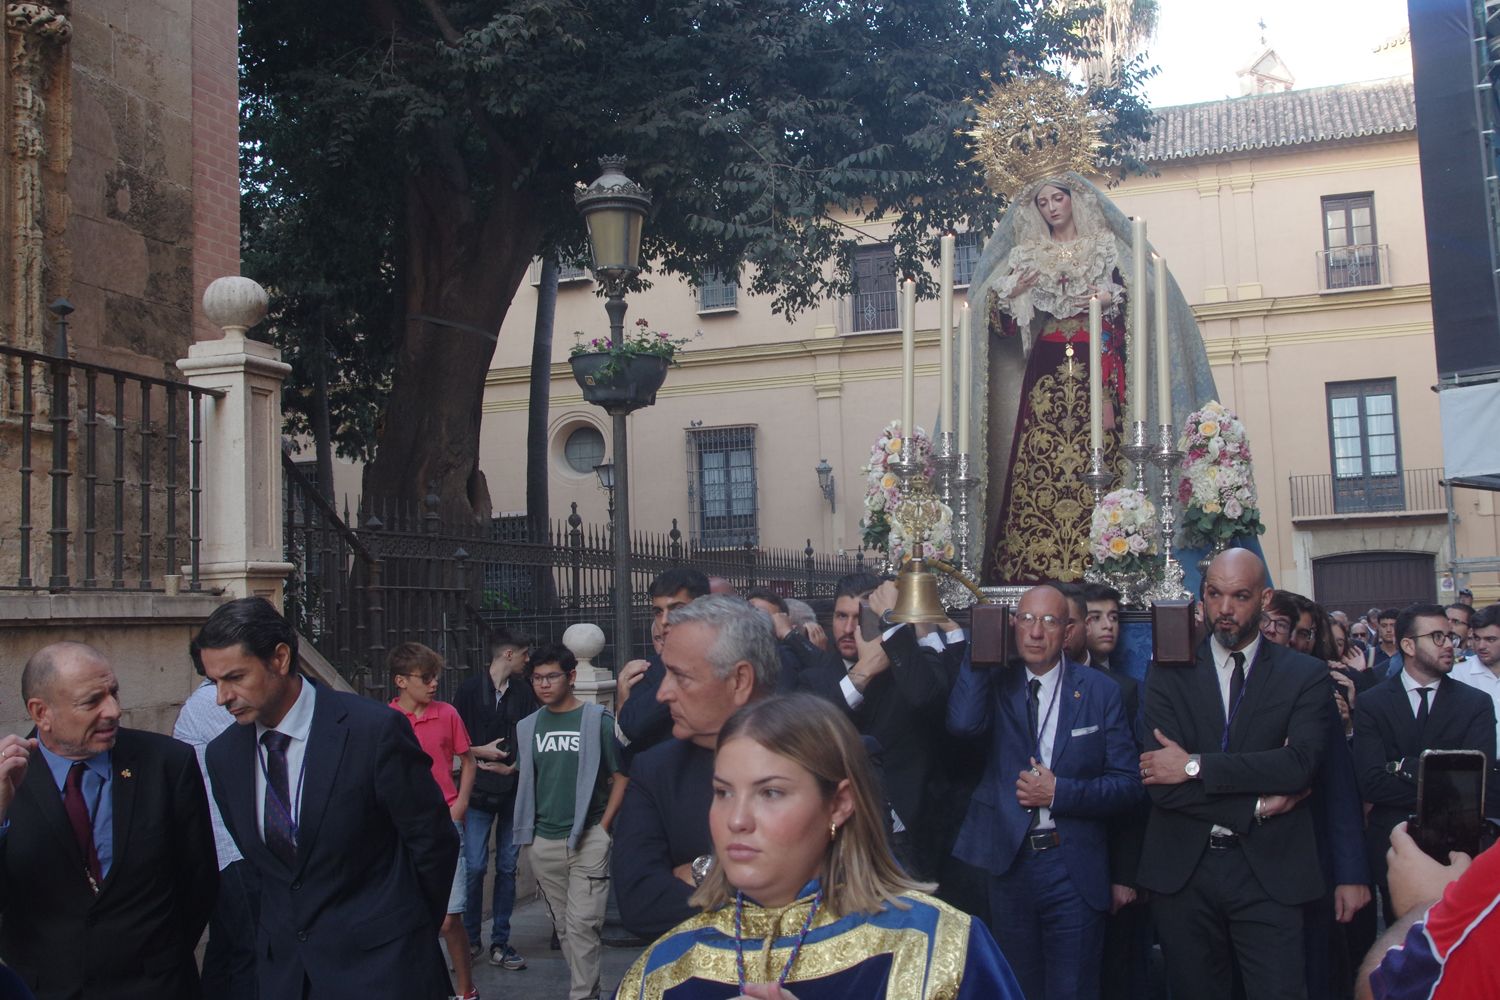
(1306, 634)
(546, 680)
(1275, 626)
(1438, 638)
(1049, 622)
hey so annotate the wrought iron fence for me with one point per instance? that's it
(1410, 491)
(396, 572)
(122, 484)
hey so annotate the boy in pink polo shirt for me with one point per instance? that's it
(414, 670)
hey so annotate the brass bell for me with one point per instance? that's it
(917, 595)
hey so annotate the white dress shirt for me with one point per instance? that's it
(1412, 686)
(297, 724)
(201, 720)
(1475, 674)
(1224, 666)
(1047, 712)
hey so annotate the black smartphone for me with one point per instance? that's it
(869, 622)
(1450, 802)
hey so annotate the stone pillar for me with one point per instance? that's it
(242, 545)
(595, 684)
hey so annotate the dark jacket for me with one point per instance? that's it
(485, 721)
(135, 939)
(358, 915)
(1276, 745)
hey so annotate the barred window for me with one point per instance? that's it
(717, 293)
(722, 495)
(566, 272)
(966, 251)
(875, 285)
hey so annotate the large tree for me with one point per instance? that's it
(468, 123)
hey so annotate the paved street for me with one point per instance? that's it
(546, 974)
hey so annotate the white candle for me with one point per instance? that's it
(1137, 291)
(1163, 359)
(965, 378)
(945, 332)
(908, 359)
(1096, 374)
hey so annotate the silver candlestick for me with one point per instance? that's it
(1138, 451)
(944, 457)
(1098, 477)
(961, 531)
(1167, 457)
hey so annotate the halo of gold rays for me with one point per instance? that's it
(1030, 128)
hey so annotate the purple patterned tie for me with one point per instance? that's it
(281, 838)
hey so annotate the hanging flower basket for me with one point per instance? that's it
(620, 383)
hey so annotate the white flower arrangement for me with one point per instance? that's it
(1217, 484)
(883, 494)
(1122, 533)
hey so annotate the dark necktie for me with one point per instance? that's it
(78, 817)
(280, 837)
(1033, 704)
(1422, 693)
(1236, 680)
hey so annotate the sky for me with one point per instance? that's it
(1201, 44)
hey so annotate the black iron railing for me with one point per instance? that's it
(1411, 490)
(132, 499)
(392, 573)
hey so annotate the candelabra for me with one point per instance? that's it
(1166, 457)
(1098, 477)
(944, 457)
(961, 537)
(1138, 450)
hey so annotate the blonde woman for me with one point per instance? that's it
(805, 900)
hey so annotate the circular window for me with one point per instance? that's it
(584, 449)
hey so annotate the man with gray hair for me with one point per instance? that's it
(719, 654)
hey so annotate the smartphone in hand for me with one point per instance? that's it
(1450, 803)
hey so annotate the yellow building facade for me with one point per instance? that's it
(1293, 223)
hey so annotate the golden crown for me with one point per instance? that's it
(1031, 128)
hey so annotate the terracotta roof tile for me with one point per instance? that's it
(1289, 118)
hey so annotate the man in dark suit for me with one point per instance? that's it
(1421, 708)
(107, 867)
(896, 692)
(1230, 741)
(332, 800)
(1061, 763)
(719, 655)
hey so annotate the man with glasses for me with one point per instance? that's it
(1460, 620)
(1421, 708)
(569, 790)
(1061, 762)
(1230, 850)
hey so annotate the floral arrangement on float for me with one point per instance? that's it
(1217, 484)
(1122, 534)
(880, 530)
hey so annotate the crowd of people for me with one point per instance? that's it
(782, 810)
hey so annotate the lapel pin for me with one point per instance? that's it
(126, 773)
(1077, 694)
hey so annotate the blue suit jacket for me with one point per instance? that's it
(1093, 756)
(358, 915)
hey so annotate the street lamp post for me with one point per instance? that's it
(606, 473)
(614, 209)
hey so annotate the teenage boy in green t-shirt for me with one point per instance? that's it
(569, 791)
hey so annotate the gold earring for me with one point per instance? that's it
(833, 830)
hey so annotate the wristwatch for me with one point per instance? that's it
(702, 865)
(1193, 766)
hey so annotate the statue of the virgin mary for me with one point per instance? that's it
(1061, 242)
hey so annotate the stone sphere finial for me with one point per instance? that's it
(585, 640)
(235, 303)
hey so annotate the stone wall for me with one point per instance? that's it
(145, 637)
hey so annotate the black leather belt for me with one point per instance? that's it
(1044, 841)
(1223, 841)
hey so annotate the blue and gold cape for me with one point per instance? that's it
(926, 951)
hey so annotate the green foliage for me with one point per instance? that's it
(756, 124)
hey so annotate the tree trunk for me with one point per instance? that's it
(462, 271)
(538, 506)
